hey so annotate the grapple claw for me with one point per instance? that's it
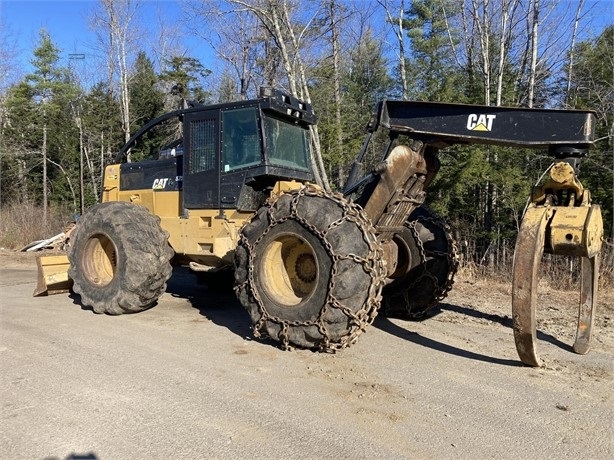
(527, 257)
(586, 310)
(573, 227)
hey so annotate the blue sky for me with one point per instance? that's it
(67, 23)
(66, 20)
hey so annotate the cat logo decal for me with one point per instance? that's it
(480, 122)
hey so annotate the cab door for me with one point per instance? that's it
(201, 177)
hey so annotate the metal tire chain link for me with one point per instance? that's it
(452, 255)
(376, 268)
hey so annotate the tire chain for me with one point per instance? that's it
(376, 268)
(440, 291)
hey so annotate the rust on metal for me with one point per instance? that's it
(572, 227)
(586, 311)
(527, 257)
(400, 189)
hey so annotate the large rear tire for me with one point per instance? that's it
(431, 261)
(119, 258)
(309, 270)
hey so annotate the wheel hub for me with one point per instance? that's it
(305, 268)
(100, 260)
(289, 270)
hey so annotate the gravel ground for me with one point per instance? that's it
(186, 379)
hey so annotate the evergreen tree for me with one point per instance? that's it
(435, 74)
(103, 135)
(592, 87)
(185, 76)
(146, 103)
(41, 125)
(19, 145)
(322, 88)
(366, 82)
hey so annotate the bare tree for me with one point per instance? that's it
(166, 45)
(529, 37)
(572, 46)
(238, 39)
(507, 12)
(533, 17)
(480, 12)
(115, 25)
(396, 21)
(288, 35)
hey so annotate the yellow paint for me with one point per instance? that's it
(52, 275)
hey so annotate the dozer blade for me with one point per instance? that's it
(527, 258)
(52, 275)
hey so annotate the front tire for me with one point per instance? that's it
(309, 270)
(119, 258)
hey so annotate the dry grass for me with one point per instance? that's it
(21, 224)
(556, 272)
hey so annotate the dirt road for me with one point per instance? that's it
(186, 380)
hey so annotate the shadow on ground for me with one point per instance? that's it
(386, 325)
(383, 323)
(215, 300)
(504, 321)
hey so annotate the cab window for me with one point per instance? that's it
(241, 143)
(287, 143)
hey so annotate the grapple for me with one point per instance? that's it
(559, 220)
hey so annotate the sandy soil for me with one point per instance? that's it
(472, 300)
(187, 379)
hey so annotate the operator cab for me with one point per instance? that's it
(230, 155)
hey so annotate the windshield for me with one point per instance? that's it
(286, 143)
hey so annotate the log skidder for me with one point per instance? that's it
(309, 270)
(234, 191)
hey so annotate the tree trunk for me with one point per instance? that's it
(399, 32)
(507, 13)
(117, 32)
(81, 168)
(70, 186)
(44, 154)
(533, 68)
(572, 46)
(483, 24)
(90, 169)
(336, 80)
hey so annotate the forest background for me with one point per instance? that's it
(64, 118)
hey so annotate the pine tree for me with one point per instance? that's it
(146, 103)
(41, 126)
(435, 75)
(186, 75)
(102, 128)
(592, 87)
